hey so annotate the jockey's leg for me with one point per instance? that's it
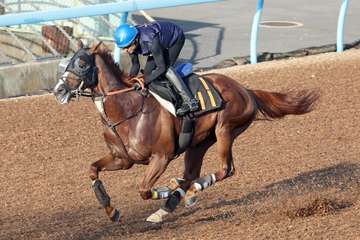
(107, 163)
(189, 103)
(224, 150)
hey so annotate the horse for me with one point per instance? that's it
(138, 130)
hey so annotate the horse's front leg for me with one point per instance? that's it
(107, 163)
(157, 165)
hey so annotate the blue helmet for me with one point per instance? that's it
(125, 34)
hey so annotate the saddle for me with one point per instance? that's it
(209, 98)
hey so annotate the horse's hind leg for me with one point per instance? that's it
(193, 161)
(107, 163)
(224, 150)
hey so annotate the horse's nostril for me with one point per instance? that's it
(58, 90)
(62, 91)
(60, 87)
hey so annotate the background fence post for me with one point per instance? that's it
(254, 32)
(340, 27)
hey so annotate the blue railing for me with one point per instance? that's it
(91, 10)
(340, 26)
(256, 21)
(254, 32)
(123, 7)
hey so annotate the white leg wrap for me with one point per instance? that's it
(204, 182)
(213, 178)
(197, 186)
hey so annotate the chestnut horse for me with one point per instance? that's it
(138, 130)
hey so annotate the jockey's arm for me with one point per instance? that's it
(158, 55)
(135, 65)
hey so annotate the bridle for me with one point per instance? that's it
(82, 64)
(87, 71)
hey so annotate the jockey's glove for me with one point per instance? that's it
(137, 86)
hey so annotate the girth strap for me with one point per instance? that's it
(186, 134)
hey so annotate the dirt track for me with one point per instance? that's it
(282, 167)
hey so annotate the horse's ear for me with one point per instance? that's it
(80, 44)
(100, 47)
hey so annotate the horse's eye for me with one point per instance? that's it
(82, 63)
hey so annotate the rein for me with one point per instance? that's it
(100, 107)
(78, 92)
(120, 91)
(135, 79)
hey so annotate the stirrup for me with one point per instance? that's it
(194, 105)
(187, 107)
(183, 110)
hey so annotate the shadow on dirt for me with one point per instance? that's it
(342, 177)
(92, 223)
(218, 217)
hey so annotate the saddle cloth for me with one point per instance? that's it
(209, 98)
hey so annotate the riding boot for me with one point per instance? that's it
(189, 103)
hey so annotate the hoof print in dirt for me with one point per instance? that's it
(319, 207)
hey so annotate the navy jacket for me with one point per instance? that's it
(168, 34)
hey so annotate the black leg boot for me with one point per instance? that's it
(189, 103)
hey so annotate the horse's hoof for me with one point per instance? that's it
(191, 201)
(157, 217)
(154, 218)
(115, 215)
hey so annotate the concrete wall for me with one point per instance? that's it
(27, 78)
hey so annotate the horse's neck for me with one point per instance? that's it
(108, 81)
(122, 105)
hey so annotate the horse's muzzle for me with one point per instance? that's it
(62, 94)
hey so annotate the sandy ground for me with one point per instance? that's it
(282, 167)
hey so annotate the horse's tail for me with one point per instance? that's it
(277, 105)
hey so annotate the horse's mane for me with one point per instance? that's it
(114, 67)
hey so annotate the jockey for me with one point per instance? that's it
(162, 43)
